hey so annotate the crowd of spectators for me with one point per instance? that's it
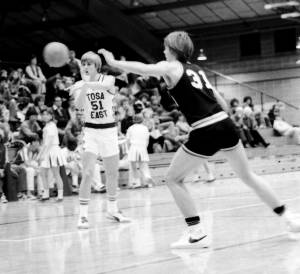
(25, 93)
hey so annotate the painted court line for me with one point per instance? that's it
(154, 220)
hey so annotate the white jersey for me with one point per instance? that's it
(97, 104)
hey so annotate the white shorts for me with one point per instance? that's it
(103, 142)
(53, 158)
(138, 154)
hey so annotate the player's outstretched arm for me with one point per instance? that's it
(159, 69)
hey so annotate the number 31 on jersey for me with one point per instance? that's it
(198, 79)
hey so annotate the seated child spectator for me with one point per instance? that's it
(30, 129)
(251, 124)
(156, 139)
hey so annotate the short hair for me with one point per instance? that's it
(138, 119)
(33, 56)
(38, 99)
(92, 57)
(31, 111)
(233, 101)
(181, 44)
(246, 98)
(49, 111)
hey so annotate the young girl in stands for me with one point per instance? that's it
(50, 156)
(138, 139)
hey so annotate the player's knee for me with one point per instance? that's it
(172, 178)
(246, 175)
(88, 171)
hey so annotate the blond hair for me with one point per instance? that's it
(181, 44)
(92, 57)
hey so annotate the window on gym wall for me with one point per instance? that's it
(285, 40)
(250, 45)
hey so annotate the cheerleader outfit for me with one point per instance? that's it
(53, 156)
(138, 136)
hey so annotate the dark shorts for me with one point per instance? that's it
(206, 141)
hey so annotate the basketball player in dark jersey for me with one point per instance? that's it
(205, 110)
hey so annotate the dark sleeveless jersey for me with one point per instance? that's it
(194, 96)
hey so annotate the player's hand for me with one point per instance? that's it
(109, 57)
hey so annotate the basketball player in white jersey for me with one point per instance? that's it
(94, 94)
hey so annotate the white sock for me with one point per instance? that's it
(75, 180)
(46, 193)
(83, 210)
(112, 206)
(60, 193)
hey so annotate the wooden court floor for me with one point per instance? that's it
(246, 237)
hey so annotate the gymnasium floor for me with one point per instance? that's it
(246, 237)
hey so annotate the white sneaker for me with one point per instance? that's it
(31, 197)
(193, 238)
(83, 223)
(210, 178)
(118, 217)
(3, 199)
(292, 222)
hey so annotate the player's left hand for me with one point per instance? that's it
(109, 57)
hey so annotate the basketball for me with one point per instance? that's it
(56, 54)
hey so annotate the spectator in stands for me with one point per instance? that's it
(3, 76)
(74, 129)
(138, 139)
(171, 135)
(50, 156)
(30, 129)
(248, 102)
(73, 163)
(182, 125)
(6, 92)
(74, 65)
(23, 106)
(237, 117)
(14, 81)
(14, 120)
(271, 114)
(18, 171)
(4, 112)
(138, 107)
(39, 106)
(35, 74)
(250, 122)
(156, 106)
(2, 166)
(71, 109)
(128, 119)
(61, 116)
(234, 104)
(285, 129)
(156, 139)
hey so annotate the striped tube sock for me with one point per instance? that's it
(112, 205)
(83, 207)
(192, 220)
